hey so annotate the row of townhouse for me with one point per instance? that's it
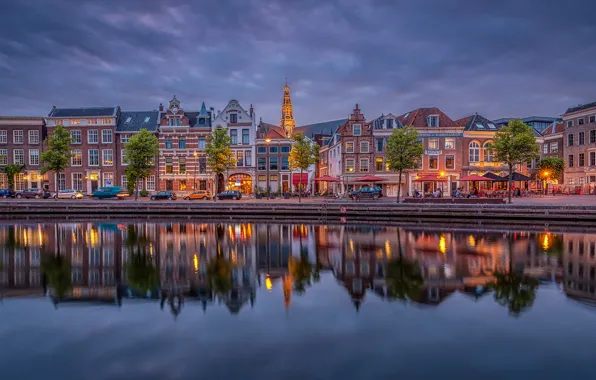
(453, 149)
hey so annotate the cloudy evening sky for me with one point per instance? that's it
(498, 58)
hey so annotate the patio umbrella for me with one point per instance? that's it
(519, 177)
(494, 177)
(327, 178)
(475, 178)
(430, 178)
(369, 178)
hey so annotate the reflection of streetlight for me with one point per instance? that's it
(268, 283)
(268, 140)
(196, 168)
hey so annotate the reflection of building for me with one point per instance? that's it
(579, 265)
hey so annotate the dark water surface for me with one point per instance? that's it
(246, 301)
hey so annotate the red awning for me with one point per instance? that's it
(327, 178)
(296, 179)
(369, 178)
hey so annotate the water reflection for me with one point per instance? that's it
(179, 263)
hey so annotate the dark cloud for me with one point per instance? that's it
(498, 58)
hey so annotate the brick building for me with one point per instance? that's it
(94, 151)
(21, 140)
(552, 145)
(357, 148)
(579, 148)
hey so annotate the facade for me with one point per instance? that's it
(21, 141)
(356, 147)
(552, 145)
(242, 128)
(382, 127)
(579, 150)
(182, 164)
(273, 166)
(94, 151)
(539, 123)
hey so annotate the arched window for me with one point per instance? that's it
(474, 151)
(488, 153)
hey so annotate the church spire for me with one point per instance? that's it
(287, 122)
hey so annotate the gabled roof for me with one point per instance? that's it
(581, 107)
(84, 112)
(554, 128)
(138, 120)
(322, 128)
(418, 118)
(378, 121)
(477, 123)
(272, 131)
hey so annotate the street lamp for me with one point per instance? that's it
(196, 169)
(545, 174)
(268, 140)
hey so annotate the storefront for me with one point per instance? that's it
(241, 182)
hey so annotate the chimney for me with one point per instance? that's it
(251, 111)
(218, 112)
(160, 107)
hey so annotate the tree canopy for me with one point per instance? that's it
(11, 171)
(139, 155)
(551, 167)
(56, 157)
(304, 153)
(220, 156)
(403, 152)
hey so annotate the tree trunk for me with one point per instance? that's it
(56, 184)
(401, 254)
(399, 186)
(300, 187)
(136, 190)
(509, 182)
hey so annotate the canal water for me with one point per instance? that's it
(252, 301)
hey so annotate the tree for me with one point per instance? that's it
(57, 269)
(11, 171)
(551, 167)
(514, 144)
(304, 153)
(139, 154)
(219, 275)
(141, 272)
(220, 157)
(403, 152)
(57, 155)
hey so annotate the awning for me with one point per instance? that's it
(430, 178)
(297, 181)
(327, 178)
(369, 178)
(518, 177)
(494, 177)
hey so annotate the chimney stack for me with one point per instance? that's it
(251, 112)
(160, 107)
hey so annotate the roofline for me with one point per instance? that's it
(22, 117)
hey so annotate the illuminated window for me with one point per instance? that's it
(474, 151)
(107, 157)
(349, 147)
(364, 164)
(350, 165)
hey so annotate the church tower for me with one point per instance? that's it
(287, 122)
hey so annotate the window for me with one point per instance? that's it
(389, 123)
(580, 160)
(17, 137)
(3, 137)
(240, 158)
(569, 123)
(272, 149)
(580, 121)
(449, 143)
(33, 137)
(202, 143)
(3, 157)
(75, 121)
(61, 177)
(202, 165)
(107, 156)
(571, 181)
(33, 156)
(169, 165)
(19, 182)
(233, 118)
(75, 137)
(261, 163)
(349, 147)
(285, 149)
(570, 140)
(592, 119)
(545, 148)
(124, 138)
(262, 149)
(363, 146)
(182, 142)
(273, 178)
(474, 152)
(379, 164)
(450, 161)
(272, 163)
(77, 181)
(433, 162)
(123, 157)
(554, 147)
(93, 157)
(364, 164)
(488, 152)
(248, 158)
(3, 181)
(174, 122)
(285, 163)
(350, 165)
(18, 156)
(592, 159)
(108, 179)
(234, 136)
(245, 136)
(92, 136)
(182, 165)
(380, 145)
(570, 161)
(433, 121)
(106, 136)
(168, 143)
(581, 138)
(593, 136)
(106, 121)
(124, 181)
(357, 129)
(151, 183)
(433, 143)
(262, 178)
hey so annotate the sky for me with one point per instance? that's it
(505, 58)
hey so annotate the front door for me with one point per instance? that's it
(94, 184)
(169, 185)
(220, 183)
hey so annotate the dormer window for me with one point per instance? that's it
(147, 118)
(233, 118)
(389, 123)
(201, 121)
(357, 129)
(128, 119)
(433, 121)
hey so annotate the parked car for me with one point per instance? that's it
(68, 194)
(5, 193)
(371, 192)
(110, 192)
(33, 193)
(201, 194)
(164, 195)
(230, 194)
